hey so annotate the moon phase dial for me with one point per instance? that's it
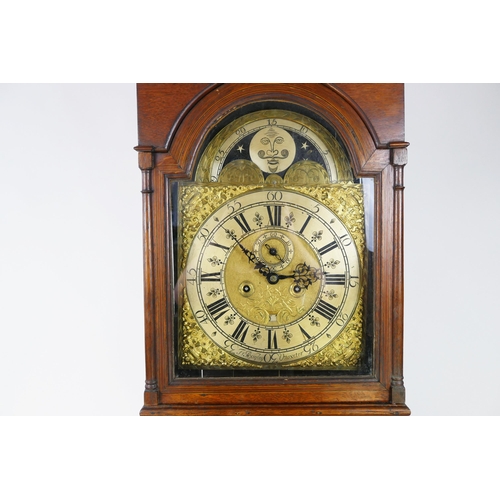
(274, 142)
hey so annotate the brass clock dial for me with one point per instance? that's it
(273, 276)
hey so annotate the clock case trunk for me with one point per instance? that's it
(175, 122)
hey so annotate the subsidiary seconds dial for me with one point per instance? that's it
(273, 276)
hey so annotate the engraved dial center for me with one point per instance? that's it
(270, 299)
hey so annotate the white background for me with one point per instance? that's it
(71, 262)
(71, 324)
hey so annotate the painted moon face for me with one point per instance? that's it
(272, 149)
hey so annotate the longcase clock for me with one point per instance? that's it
(273, 248)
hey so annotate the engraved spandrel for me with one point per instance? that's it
(241, 172)
(304, 173)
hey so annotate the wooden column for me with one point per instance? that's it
(399, 158)
(146, 164)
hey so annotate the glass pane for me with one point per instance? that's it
(274, 254)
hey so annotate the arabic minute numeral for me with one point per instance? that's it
(192, 272)
(232, 206)
(201, 316)
(203, 234)
(342, 319)
(274, 196)
(346, 240)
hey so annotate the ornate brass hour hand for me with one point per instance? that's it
(303, 276)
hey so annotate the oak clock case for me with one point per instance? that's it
(272, 263)
(273, 248)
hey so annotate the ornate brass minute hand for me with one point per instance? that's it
(263, 269)
(303, 276)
